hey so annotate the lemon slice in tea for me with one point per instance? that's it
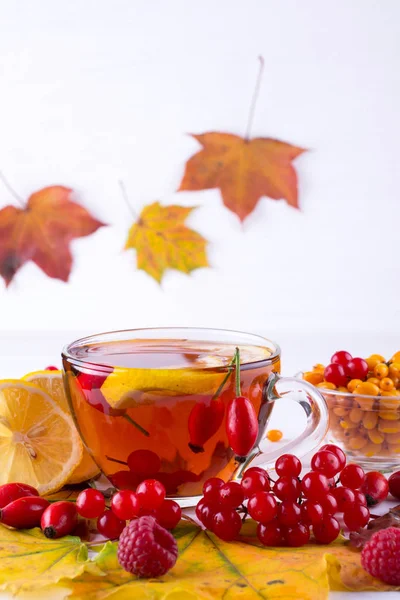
(123, 387)
(39, 444)
(52, 383)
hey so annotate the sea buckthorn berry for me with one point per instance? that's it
(320, 367)
(372, 361)
(386, 384)
(374, 380)
(335, 373)
(313, 377)
(274, 435)
(381, 370)
(357, 368)
(396, 357)
(378, 357)
(367, 389)
(341, 357)
(327, 385)
(353, 383)
(394, 370)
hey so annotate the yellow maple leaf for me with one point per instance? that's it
(163, 241)
(30, 561)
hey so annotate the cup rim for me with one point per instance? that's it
(68, 355)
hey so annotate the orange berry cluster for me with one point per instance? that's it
(367, 422)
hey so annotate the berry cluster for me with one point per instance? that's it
(362, 397)
(289, 508)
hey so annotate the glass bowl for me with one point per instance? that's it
(367, 428)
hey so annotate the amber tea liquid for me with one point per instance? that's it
(136, 395)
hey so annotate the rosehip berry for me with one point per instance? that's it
(90, 503)
(150, 493)
(24, 513)
(241, 425)
(375, 488)
(12, 491)
(205, 419)
(59, 519)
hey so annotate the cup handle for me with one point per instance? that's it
(314, 406)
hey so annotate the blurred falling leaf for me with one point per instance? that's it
(42, 231)
(163, 241)
(243, 169)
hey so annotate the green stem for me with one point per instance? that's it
(139, 427)
(225, 379)
(116, 460)
(237, 373)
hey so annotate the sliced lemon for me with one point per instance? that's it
(121, 386)
(39, 444)
(52, 383)
(124, 388)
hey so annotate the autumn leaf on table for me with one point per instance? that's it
(30, 561)
(163, 241)
(41, 231)
(243, 169)
(208, 568)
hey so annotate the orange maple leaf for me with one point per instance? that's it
(42, 231)
(162, 240)
(243, 169)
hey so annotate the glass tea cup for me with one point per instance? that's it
(151, 403)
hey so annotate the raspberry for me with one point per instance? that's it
(146, 549)
(381, 555)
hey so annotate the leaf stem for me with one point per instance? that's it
(254, 98)
(139, 427)
(16, 196)
(225, 379)
(237, 373)
(116, 460)
(127, 201)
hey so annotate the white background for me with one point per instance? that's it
(93, 91)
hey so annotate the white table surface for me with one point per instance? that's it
(24, 352)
